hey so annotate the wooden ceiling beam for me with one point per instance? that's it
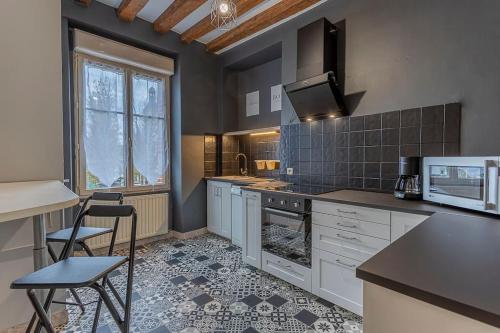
(175, 13)
(274, 14)
(129, 9)
(205, 26)
(84, 2)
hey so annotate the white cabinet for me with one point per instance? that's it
(251, 246)
(219, 208)
(401, 223)
(334, 279)
(291, 272)
(236, 217)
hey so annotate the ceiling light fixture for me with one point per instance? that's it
(223, 14)
(264, 133)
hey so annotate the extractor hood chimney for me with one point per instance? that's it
(317, 93)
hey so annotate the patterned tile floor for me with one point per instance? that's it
(201, 285)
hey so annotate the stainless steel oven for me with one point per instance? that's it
(468, 182)
(286, 227)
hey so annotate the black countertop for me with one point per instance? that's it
(451, 260)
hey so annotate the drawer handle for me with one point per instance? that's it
(340, 262)
(348, 238)
(346, 212)
(281, 264)
(346, 226)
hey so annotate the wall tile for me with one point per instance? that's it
(356, 183)
(356, 170)
(317, 155)
(372, 170)
(316, 127)
(432, 149)
(305, 141)
(432, 115)
(391, 119)
(305, 128)
(342, 139)
(316, 180)
(432, 134)
(410, 150)
(373, 154)
(451, 149)
(305, 155)
(390, 136)
(373, 121)
(341, 182)
(373, 138)
(389, 170)
(329, 126)
(342, 124)
(316, 141)
(357, 139)
(387, 185)
(328, 168)
(411, 117)
(410, 135)
(342, 169)
(372, 184)
(356, 154)
(357, 124)
(342, 154)
(328, 180)
(390, 153)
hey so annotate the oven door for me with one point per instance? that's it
(468, 182)
(287, 234)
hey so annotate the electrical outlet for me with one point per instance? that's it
(289, 171)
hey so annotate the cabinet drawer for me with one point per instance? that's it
(297, 275)
(352, 225)
(350, 211)
(334, 279)
(345, 243)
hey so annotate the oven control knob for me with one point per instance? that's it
(296, 204)
(283, 202)
(270, 200)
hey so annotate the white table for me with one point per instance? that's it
(35, 199)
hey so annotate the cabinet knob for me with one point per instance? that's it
(283, 202)
(270, 200)
(296, 204)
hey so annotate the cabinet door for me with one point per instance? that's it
(252, 229)
(225, 216)
(334, 279)
(401, 223)
(236, 220)
(213, 208)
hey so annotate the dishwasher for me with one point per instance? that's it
(236, 215)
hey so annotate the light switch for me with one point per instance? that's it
(289, 171)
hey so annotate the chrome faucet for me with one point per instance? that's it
(243, 171)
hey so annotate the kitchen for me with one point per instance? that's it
(333, 168)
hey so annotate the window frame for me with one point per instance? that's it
(79, 106)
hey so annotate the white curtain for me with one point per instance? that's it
(104, 130)
(149, 132)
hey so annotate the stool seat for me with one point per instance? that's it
(73, 272)
(84, 233)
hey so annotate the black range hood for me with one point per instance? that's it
(317, 93)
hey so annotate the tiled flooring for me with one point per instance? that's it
(201, 285)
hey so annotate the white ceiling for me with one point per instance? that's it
(154, 8)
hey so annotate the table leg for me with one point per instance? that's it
(40, 249)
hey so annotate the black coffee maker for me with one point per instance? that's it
(408, 185)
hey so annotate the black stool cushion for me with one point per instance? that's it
(83, 233)
(74, 272)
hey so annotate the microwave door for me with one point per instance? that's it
(491, 185)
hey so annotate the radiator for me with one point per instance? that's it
(152, 220)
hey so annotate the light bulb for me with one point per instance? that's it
(223, 8)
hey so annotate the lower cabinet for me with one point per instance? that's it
(334, 279)
(252, 242)
(401, 223)
(290, 272)
(219, 208)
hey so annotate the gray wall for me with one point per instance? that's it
(193, 97)
(238, 84)
(409, 53)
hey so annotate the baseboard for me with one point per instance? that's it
(58, 318)
(103, 251)
(189, 234)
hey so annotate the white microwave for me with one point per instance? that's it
(467, 182)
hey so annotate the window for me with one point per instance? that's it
(123, 127)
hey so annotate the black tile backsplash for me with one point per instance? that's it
(363, 152)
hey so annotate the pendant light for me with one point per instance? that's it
(223, 14)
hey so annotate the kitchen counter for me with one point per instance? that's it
(451, 260)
